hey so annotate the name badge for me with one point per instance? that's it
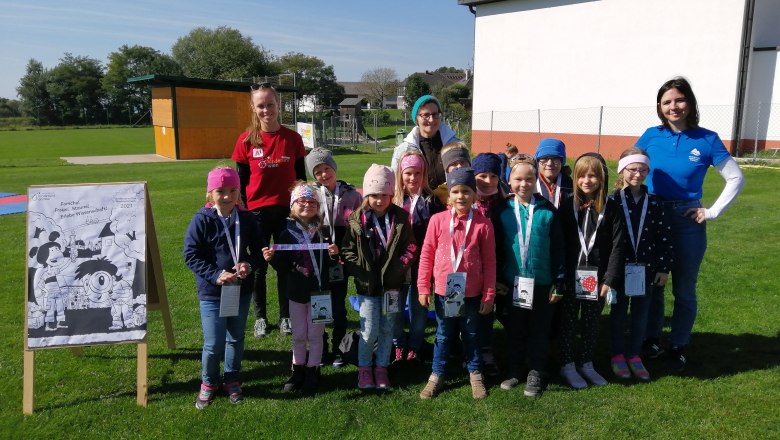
(455, 295)
(321, 308)
(257, 152)
(586, 283)
(523, 293)
(391, 302)
(336, 273)
(635, 280)
(228, 300)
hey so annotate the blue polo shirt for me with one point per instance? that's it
(679, 161)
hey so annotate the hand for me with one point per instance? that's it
(604, 290)
(242, 270)
(554, 298)
(425, 300)
(226, 277)
(696, 214)
(660, 279)
(333, 250)
(268, 253)
(485, 308)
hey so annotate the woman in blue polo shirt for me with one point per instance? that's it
(680, 153)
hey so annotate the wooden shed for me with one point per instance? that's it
(197, 118)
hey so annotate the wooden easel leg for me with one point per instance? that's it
(141, 374)
(165, 310)
(28, 393)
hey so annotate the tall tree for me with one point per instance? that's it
(312, 77)
(34, 98)
(74, 86)
(221, 53)
(415, 87)
(378, 83)
(9, 108)
(129, 99)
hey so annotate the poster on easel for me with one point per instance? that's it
(86, 265)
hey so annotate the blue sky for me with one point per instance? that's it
(353, 36)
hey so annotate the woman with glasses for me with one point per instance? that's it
(429, 135)
(553, 184)
(680, 153)
(269, 158)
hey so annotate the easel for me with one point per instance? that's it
(157, 299)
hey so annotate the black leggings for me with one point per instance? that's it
(273, 220)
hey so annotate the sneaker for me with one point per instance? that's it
(651, 349)
(533, 384)
(338, 361)
(619, 367)
(398, 355)
(489, 362)
(365, 378)
(510, 383)
(432, 388)
(411, 356)
(587, 371)
(233, 390)
(207, 395)
(478, 390)
(677, 359)
(569, 372)
(285, 327)
(381, 378)
(260, 329)
(638, 368)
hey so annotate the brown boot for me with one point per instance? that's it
(478, 390)
(432, 388)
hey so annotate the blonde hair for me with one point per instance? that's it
(317, 219)
(210, 199)
(254, 139)
(628, 152)
(453, 145)
(591, 164)
(398, 198)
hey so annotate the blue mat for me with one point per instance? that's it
(13, 208)
(3, 194)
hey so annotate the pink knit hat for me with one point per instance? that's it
(222, 177)
(379, 179)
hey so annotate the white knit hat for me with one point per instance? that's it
(379, 179)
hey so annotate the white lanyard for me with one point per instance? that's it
(556, 197)
(524, 243)
(330, 219)
(314, 262)
(583, 232)
(415, 198)
(634, 243)
(233, 250)
(456, 259)
(389, 232)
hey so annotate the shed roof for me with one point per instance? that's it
(351, 102)
(200, 83)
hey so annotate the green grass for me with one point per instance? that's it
(731, 390)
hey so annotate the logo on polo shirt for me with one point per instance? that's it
(695, 155)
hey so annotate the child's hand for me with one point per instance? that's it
(604, 290)
(485, 308)
(268, 253)
(425, 300)
(333, 250)
(226, 277)
(660, 279)
(242, 270)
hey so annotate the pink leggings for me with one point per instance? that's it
(303, 333)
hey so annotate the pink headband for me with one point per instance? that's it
(412, 160)
(634, 158)
(302, 192)
(222, 177)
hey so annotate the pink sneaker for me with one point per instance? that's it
(411, 356)
(619, 367)
(380, 376)
(638, 368)
(398, 355)
(365, 378)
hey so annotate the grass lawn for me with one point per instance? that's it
(731, 390)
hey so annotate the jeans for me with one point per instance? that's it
(418, 317)
(307, 340)
(638, 323)
(222, 337)
(655, 313)
(690, 242)
(529, 332)
(447, 331)
(273, 220)
(375, 330)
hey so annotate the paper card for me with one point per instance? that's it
(321, 308)
(586, 283)
(455, 295)
(391, 302)
(229, 299)
(523, 293)
(336, 273)
(635, 280)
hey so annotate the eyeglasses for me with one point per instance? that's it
(427, 116)
(550, 159)
(306, 202)
(265, 85)
(637, 170)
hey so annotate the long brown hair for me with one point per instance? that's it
(592, 164)
(628, 152)
(254, 139)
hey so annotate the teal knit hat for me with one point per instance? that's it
(425, 99)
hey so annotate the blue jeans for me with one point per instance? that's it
(222, 338)
(655, 313)
(375, 330)
(447, 331)
(690, 242)
(418, 317)
(638, 323)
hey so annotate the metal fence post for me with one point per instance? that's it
(539, 122)
(491, 132)
(598, 139)
(755, 138)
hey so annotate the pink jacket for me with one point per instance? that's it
(479, 259)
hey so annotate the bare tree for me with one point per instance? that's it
(378, 83)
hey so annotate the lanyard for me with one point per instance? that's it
(330, 219)
(524, 243)
(456, 259)
(584, 231)
(233, 250)
(413, 203)
(556, 197)
(306, 238)
(384, 239)
(634, 243)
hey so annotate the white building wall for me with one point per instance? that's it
(571, 54)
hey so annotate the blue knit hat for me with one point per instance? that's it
(486, 163)
(462, 176)
(551, 147)
(420, 101)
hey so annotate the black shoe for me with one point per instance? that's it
(311, 380)
(677, 360)
(489, 366)
(533, 384)
(651, 349)
(295, 382)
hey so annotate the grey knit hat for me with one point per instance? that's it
(318, 156)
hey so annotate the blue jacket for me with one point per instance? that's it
(207, 254)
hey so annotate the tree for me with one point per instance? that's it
(312, 77)
(415, 87)
(10, 108)
(34, 98)
(128, 99)
(453, 94)
(74, 86)
(445, 69)
(221, 53)
(378, 83)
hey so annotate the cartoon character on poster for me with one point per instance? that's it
(50, 296)
(106, 289)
